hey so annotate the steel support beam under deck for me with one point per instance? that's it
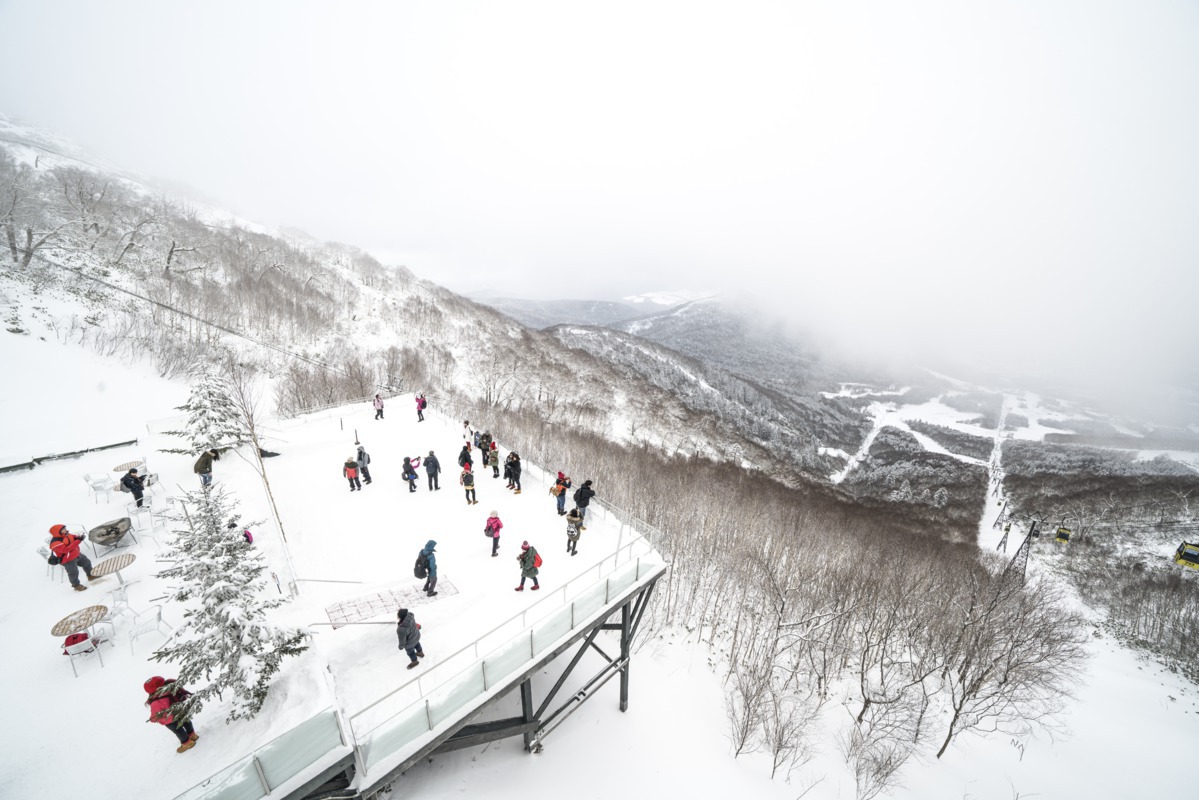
(534, 724)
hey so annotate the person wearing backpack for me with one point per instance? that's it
(558, 490)
(573, 523)
(408, 632)
(430, 558)
(420, 407)
(467, 481)
(349, 471)
(582, 499)
(165, 693)
(363, 460)
(134, 484)
(464, 458)
(65, 547)
(492, 528)
(433, 469)
(530, 563)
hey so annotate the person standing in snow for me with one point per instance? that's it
(134, 484)
(378, 404)
(408, 632)
(164, 693)
(528, 566)
(409, 472)
(492, 528)
(203, 466)
(363, 460)
(466, 430)
(514, 468)
(420, 407)
(433, 469)
(573, 523)
(65, 546)
(558, 490)
(349, 471)
(485, 448)
(464, 459)
(495, 459)
(582, 499)
(467, 481)
(431, 558)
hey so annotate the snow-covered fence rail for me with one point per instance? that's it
(36, 460)
(353, 401)
(286, 762)
(401, 735)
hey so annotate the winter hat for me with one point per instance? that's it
(154, 684)
(495, 513)
(403, 612)
(561, 475)
(586, 483)
(524, 545)
(430, 452)
(133, 471)
(57, 529)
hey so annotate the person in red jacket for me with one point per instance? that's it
(65, 545)
(164, 693)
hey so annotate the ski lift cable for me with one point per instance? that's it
(215, 325)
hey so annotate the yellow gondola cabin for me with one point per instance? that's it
(1187, 555)
(1063, 534)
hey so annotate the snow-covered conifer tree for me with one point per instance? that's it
(225, 643)
(212, 420)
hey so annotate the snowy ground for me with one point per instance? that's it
(1132, 727)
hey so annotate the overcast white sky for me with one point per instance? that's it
(1017, 176)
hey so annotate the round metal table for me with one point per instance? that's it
(83, 619)
(115, 564)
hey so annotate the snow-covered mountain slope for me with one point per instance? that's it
(545, 313)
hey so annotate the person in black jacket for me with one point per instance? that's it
(408, 632)
(134, 484)
(582, 498)
(514, 468)
(464, 458)
(433, 469)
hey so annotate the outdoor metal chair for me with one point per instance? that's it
(147, 621)
(100, 483)
(44, 553)
(118, 605)
(82, 651)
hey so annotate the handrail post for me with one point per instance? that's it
(266, 787)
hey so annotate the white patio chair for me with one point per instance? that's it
(44, 553)
(118, 606)
(100, 483)
(147, 621)
(83, 650)
(142, 516)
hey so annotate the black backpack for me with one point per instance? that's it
(421, 568)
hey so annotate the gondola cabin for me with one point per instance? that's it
(1063, 534)
(1187, 555)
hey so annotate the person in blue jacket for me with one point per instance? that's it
(431, 557)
